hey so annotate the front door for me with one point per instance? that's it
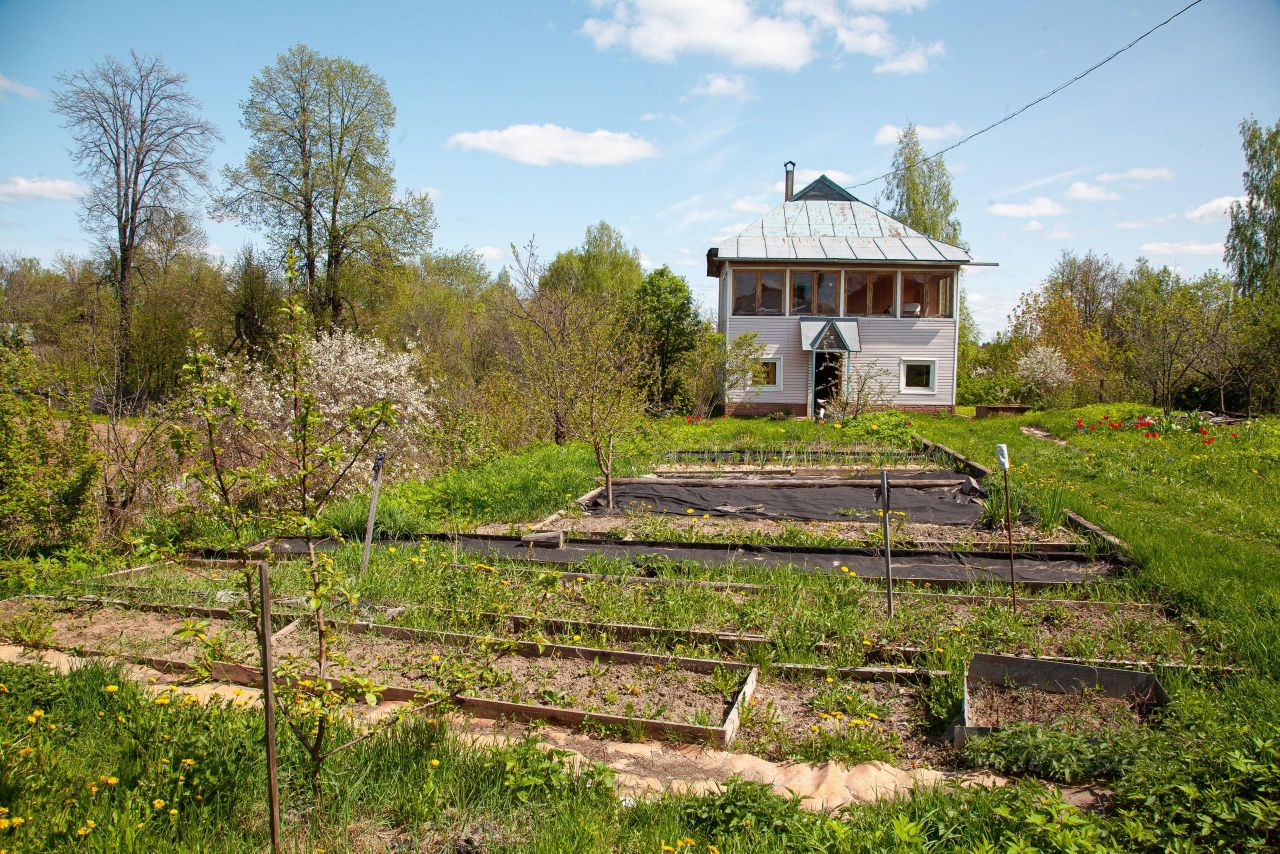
(826, 379)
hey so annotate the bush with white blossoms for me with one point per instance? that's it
(1044, 371)
(343, 371)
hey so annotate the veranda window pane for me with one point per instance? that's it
(828, 302)
(938, 299)
(882, 287)
(744, 292)
(913, 298)
(855, 293)
(771, 293)
(768, 373)
(802, 293)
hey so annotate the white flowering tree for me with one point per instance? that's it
(1044, 371)
(267, 447)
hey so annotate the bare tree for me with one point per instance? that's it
(865, 387)
(141, 144)
(578, 364)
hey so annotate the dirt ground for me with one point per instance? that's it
(117, 631)
(996, 706)
(911, 534)
(631, 690)
(784, 712)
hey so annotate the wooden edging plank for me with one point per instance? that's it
(780, 483)
(911, 653)
(620, 631)
(733, 720)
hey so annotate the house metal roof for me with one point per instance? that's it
(816, 227)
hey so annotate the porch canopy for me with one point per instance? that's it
(830, 336)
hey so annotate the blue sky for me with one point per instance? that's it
(671, 120)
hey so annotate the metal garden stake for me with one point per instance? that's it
(269, 706)
(373, 509)
(1002, 460)
(884, 520)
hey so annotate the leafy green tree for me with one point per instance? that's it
(318, 177)
(666, 321)
(918, 194)
(48, 465)
(1253, 242)
(603, 264)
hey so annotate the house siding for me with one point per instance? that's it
(885, 342)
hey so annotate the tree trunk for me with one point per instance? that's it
(124, 302)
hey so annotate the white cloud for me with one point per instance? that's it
(435, 193)
(491, 254)
(929, 134)
(729, 231)
(913, 60)
(1038, 182)
(8, 84)
(1087, 192)
(1186, 247)
(543, 145)
(661, 30)
(1058, 234)
(1214, 209)
(53, 189)
(1135, 224)
(724, 86)
(1140, 173)
(1034, 225)
(750, 205)
(1039, 206)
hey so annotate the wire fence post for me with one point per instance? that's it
(269, 705)
(884, 522)
(1002, 459)
(373, 509)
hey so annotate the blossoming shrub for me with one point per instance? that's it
(344, 372)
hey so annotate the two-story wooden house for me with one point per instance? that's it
(829, 284)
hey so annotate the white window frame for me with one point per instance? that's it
(903, 388)
(776, 386)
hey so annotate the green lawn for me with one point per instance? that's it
(1202, 535)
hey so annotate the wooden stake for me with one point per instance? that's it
(1008, 527)
(884, 519)
(373, 509)
(269, 706)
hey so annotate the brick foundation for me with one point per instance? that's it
(799, 410)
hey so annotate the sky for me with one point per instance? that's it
(672, 120)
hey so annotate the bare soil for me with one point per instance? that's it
(997, 706)
(782, 716)
(654, 692)
(118, 631)
(908, 535)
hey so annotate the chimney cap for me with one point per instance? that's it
(789, 165)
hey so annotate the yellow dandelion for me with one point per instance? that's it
(111, 689)
(157, 804)
(391, 550)
(435, 763)
(162, 701)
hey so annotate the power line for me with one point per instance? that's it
(1043, 97)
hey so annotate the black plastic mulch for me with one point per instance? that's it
(960, 504)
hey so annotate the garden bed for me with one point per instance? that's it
(123, 631)
(1003, 690)
(945, 498)
(820, 719)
